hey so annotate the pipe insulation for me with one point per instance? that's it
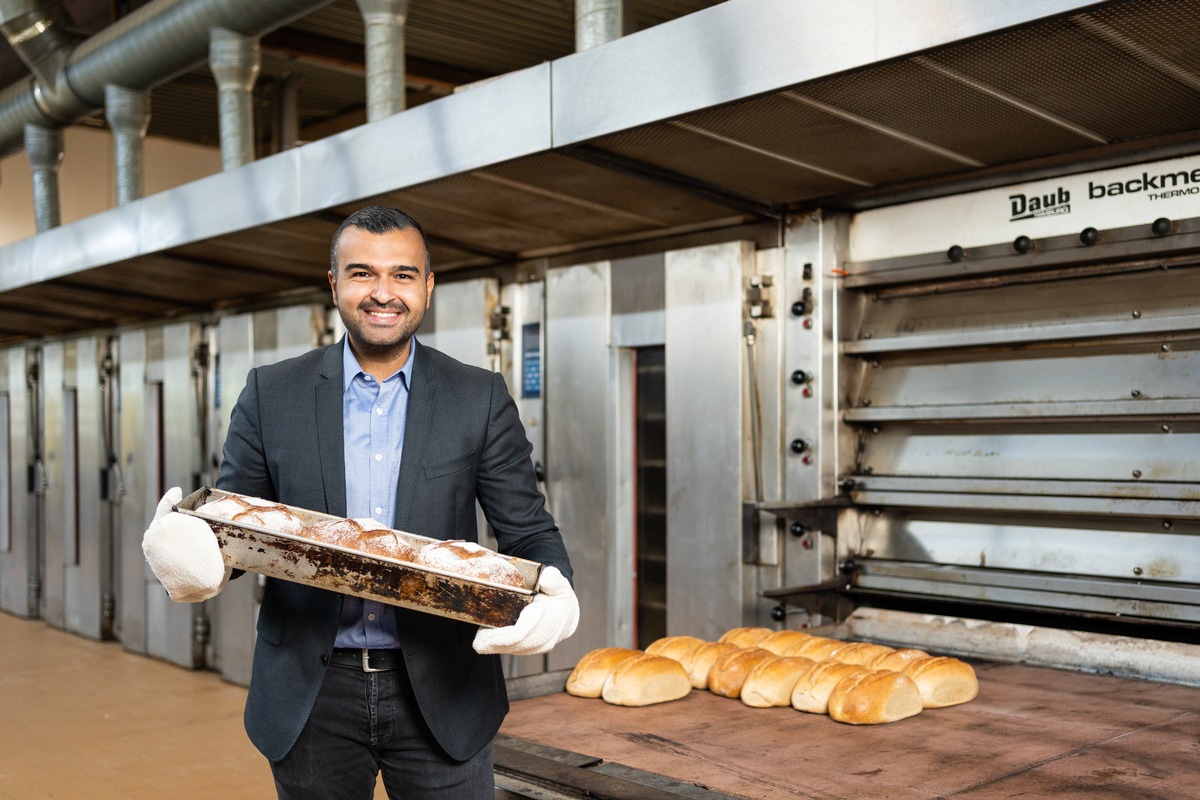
(37, 31)
(598, 22)
(128, 115)
(234, 60)
(383, 22)
(44, 149)
(152, 44)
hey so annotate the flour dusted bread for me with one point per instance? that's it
(676, 647)
(942, 681)
(729, 672)
(699, 662)
(872, 697)
(745, 637)
(365, 534)
(470, 560)
(771, 681)
(645, 680)
(591, 671)
(255, 511)
(812, 689)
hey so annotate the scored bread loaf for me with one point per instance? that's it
(771, 681)
(729, 672)
(591, 671)
(813, 687)
(942, 681)
(778, 642)
(861, 652)
(896, 660)
(645, 680)
(676, 647)
(818, 648)
(699, 661)
(744, 637)
(872, 697)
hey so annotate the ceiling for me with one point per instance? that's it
(1115, 83)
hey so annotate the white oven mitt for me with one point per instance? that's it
(549, 618)
(183, 553)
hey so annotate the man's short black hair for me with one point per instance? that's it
(378, 220)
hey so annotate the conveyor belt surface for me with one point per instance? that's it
(1031, 733)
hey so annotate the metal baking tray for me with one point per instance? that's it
(340, 569)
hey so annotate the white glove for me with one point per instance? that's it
(549, 618)
(183, 553)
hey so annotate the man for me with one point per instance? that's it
(378, 426)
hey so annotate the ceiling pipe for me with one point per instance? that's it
(598, 22)
(37, 31)
(128, 115)
(44, 149)
(234, 60)
(152, 44)
(384, 33)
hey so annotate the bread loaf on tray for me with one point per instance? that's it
(645, 680)
(771, 681)
(699, 662)
(676, 647)
(812, 689)
(590, 672)
(744, 637)
(871, 697)
(729, 672)
(943, 681)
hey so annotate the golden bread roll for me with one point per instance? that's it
(729, 672)
(771, 681)
(942, 681)
(818, 648)
(779, 641)
(744, 637)
(896, 659)
(590, 673)
(645, 680)
(872, 697)
(676, 647)
(699, 661)
(860, 652)
(813, 687)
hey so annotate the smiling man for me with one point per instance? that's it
(379, 426)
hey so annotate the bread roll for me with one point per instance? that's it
(645, 680)
(871, 697)
(895, 660)
(942, 681)
(470, 560)
(813, 687)
(591, 671)
(779, 641)
(860, 652)
(254, 511)
(676, 647)
(729, 672)
(700, 661)
(363, 534)
(744, 637)
(771, 681)
(818, 648)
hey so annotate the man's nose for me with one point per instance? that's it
(381, 290)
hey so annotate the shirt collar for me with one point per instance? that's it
(351, 368)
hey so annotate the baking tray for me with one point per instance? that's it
(371, 577)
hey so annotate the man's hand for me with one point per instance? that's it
(183, 553)
(548, 619)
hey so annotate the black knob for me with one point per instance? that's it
(1089, 236)
(1022, 244)
(799, 446)
(778, 613)
(956, 253)
(848, 485)
(798, 529)
(1160, 226)
(799, 376)
(800, 308)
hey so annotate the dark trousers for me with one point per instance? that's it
(365, 723)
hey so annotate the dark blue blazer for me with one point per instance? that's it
(463, 441)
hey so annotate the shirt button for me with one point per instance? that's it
(371, 617)
(378, 509)
(379, 411)
(378, 457)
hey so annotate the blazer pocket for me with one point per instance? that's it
(270, 628)
(457, 464)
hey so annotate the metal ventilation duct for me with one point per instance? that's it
(37, 33)
(151, 45)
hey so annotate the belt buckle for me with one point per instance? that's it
(366, 662)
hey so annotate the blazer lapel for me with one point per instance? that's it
(330, 444)
(416, 434)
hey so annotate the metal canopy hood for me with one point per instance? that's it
(740, 113)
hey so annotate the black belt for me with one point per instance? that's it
(366, 660)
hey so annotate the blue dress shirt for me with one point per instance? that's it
(373, 417)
